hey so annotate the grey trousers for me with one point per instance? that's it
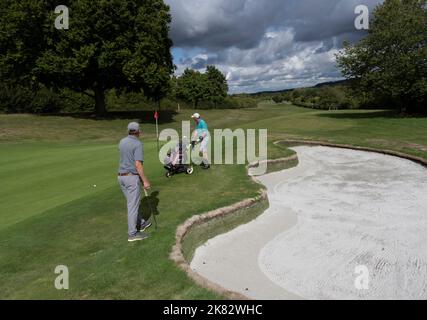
(131, 187)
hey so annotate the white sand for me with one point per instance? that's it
(337, 210)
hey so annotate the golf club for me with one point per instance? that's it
(151, 209)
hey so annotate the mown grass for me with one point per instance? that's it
(51, 213)
(87, 231)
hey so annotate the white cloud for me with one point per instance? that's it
(276, 63)
(264, 44)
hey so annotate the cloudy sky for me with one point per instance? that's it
(264, 44)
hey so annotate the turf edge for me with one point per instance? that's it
(200, 228)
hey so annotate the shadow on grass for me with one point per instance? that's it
(369, 114)
(165, 116)
(149, 207)
(365, 114)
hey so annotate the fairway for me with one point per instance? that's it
(51, 213)
(51, 176)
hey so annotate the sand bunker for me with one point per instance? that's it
(339, 209)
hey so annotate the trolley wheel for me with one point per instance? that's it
(190, 170)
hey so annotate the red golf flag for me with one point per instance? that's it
(156, 116)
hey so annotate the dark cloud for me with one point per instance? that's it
(265, 43)
(221, 23)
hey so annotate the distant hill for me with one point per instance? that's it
(319, 85)
(332, 83)
(270, 92)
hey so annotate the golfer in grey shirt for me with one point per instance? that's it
(131, 176)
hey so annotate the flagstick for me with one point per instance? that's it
(157, 131)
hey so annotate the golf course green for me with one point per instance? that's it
(60, 203)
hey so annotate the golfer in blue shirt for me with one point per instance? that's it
(201, 134)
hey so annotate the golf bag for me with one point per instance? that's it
(175, 161)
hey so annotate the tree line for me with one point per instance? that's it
(328, 97)
(120, 46)
(387, 69)
(193, 86)
(123, 47)
(117, 44)
(389, 66)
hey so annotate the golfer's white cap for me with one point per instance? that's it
(196, 116)
(133, 126)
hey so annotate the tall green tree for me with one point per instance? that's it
(192, 86)
(390, 63)
(216, 85)
(22, 38)
(122, 44)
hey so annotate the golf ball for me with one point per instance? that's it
(94, 185)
